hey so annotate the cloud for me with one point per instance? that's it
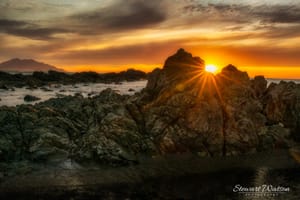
(6, 24)
(121, 16)
(29, 30)
(278, 13)
(243, 13)
(149, 53)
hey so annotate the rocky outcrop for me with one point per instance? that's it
(178, 69)
(282, 105)
(39, 78)
(29, 98)
(211, 115)
(259, 84)
(182, 109)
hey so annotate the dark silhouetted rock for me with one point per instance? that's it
(178, 69)
(220, 118)
(282, 105)
(29, 98)
(46, 89)
(41, 78)
(259, 84)
(182, 60)
(4, 87)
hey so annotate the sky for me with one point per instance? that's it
(259, 36)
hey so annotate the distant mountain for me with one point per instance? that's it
(26, 65)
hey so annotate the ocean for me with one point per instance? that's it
(15, 96)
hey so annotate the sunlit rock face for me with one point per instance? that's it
(211, 115)
(225, 114)
(177, 69)
(182, 109)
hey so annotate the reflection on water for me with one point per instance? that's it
(259, 181)
(169, 178)
(273, 184)
(217, 185)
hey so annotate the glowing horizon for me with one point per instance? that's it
(275, 72)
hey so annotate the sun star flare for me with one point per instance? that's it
(211, 68)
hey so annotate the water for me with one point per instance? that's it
(165, 177)
(16, 96)
(270, 80)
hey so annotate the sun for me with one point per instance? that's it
(211, 69)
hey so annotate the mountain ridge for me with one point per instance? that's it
(26, 65)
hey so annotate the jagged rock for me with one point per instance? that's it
(182, 109)
(177, 71)
(282, 105)
(182, 61)
(272, 137)
(259, 84)
(29, 98)
(217, 115)
(242, 111)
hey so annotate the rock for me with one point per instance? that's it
(58, 95)
(45, 89)
(131, 90)
(219, 115)
(40, 79)
(179, 72)
(4, 87)
(29, 98)
(259, 84)
(93, 93)
(182, 60)
(132, 74)
(273, 137)
(230, 74)
(32, 87)
(109, 95)
(282, 105)
(57, 86)
(78, 94)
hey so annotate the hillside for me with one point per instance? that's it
(26, 65)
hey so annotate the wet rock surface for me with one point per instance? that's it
(183, 109)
